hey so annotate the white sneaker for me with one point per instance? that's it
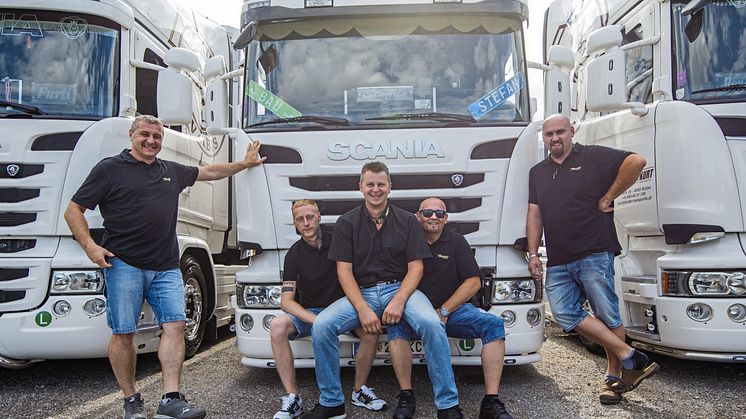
(365, 397)
(292, 406)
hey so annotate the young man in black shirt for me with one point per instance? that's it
(138, 195)
(309, 285)
(571, 198)
(450, 279)
(379, 250)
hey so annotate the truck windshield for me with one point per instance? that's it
(399, 71)
(709, 52)
(57, 64)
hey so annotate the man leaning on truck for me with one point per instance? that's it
(571, 198)
(138, 195)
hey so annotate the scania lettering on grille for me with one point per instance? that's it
(393, 149)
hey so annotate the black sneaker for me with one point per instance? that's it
(493, 408)
(406, 406)
(178, 409)
(323, 412)
(134, 407)
(451, 413)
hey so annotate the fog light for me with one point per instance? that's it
(247, 322)
(267, 320)
(699, 312)
(737, 312)
(533, 317)
(508, 317)
(61, 308)
(94, 307)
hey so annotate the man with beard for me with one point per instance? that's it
(571, 198)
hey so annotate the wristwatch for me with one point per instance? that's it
(443, 312)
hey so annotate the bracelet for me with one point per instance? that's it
(533, 256)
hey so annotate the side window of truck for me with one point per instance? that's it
(639, 67)
(146, 82)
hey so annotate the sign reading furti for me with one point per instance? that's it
(273, 103)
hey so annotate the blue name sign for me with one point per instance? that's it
(497, 96)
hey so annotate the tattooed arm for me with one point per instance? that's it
(290, 306)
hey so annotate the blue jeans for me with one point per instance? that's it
(302, 328)
(127, 287)
(341, 317)
(466, 322)
(590, 278)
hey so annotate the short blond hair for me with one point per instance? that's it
(303, 202)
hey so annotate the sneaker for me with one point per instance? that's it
(493, 408)
(451, 413)
(134, 407)
(405, 407)
(365, 397)
(292, 406)
(606, 394)
(632, 378)
(178, 408)
(323, 412)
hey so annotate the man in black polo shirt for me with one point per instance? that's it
(571, 197)
(450, 279)
(138, 195)
(379, 250)
(309, 285)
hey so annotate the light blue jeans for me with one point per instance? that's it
(341, 317)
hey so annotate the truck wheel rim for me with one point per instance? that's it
(193, 298)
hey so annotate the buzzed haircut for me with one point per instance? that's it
(302, 202)
(148, 119)
(375, 167)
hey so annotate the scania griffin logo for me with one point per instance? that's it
(12, 169)
(392, 149)
(457, 179)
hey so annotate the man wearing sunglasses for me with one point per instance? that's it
(379, 250)
(450, 279)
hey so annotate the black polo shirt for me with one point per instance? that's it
(568, 194)
(315, 276)
(139, 203)
(452, 263)
(378, 255)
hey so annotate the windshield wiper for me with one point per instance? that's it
(428, 116)
(321, 120)
(737, 86)
(30, 109)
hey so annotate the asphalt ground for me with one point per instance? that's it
(564, 384)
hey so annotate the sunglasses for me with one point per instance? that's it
(427, 213)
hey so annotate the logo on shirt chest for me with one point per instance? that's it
(167, 179)
(442, 257)
(576, 169)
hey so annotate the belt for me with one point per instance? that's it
(393, 281)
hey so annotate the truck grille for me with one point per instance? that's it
(400, 182)
(11, 219)
(13, 195)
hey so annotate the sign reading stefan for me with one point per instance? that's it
(497, 96)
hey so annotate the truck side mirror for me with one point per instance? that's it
(174, 93)
(557, 81)
(606, 78)
(216, 94)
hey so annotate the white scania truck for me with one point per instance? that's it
(437, 90)
(667, 80)
(73, 74)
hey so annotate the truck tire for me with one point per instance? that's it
(196, 304)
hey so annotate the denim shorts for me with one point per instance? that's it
(127, 287)
(590, 278)
(467, 322)
(302, 328)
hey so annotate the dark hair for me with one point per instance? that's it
(375, 167)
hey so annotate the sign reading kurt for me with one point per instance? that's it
(497, 96)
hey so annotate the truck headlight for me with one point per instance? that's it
(77, 282)
(519, 290)
(707, 284)
(258, 296)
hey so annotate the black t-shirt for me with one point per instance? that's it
(452, 263)
(568, 194)
(315, 276)
(378, 255)
(139, 203)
